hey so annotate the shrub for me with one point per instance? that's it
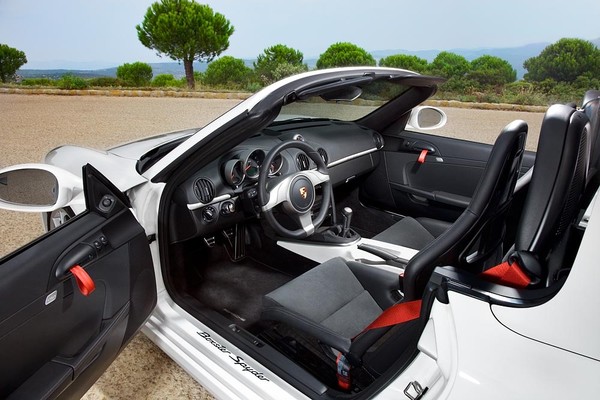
(135, 74)
(38, 82)
(70, 81)
(166, 80)
(345, 54)
(412, 63)
(277, 62)
(226, 71)
(491, 71)
(449, 65)
(106, 81)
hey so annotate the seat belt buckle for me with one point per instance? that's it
(343, 372)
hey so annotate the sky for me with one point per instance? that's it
(90, 34)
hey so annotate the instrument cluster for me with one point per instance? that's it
(247, 166)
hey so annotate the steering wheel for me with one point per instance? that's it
(296, 192)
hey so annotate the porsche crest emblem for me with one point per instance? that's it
(303, 192)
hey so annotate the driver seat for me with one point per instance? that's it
(336, 300)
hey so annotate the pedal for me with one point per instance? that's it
(235, 242)
(210, 241)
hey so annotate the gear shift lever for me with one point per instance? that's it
(347, 215)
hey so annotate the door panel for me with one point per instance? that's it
(55, 342)
(440, 187)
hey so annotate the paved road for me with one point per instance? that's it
(33, 125)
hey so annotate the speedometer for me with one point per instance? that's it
(275, 165)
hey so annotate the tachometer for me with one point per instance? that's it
(253, 163)
(234, 172)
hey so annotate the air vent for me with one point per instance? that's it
(323, 155)
(204, 190)
(303, 162)
(378, 139)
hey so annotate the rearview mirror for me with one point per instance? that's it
(37, 188)
(427, 118)
(345, 93)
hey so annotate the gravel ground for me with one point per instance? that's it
(33, 125)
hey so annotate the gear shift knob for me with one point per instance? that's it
(347, 215)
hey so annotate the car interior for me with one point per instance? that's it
(294, 242)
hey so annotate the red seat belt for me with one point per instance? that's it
(507, 274)
(397, 314)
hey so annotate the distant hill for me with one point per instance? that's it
(514, 55)
(157, 68)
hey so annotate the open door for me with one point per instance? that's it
(60, 327)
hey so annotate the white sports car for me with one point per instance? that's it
(315, 242)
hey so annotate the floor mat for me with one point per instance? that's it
(236, 289)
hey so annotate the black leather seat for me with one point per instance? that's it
(591, 108)
(554, 198)
(336, 300)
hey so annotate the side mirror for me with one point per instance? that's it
(37, 188)
(427, 118)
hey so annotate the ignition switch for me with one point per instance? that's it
(228, 207)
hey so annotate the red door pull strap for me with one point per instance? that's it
(422, 156)
(84, 280)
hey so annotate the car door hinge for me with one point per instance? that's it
(151, 238)
(414, 390)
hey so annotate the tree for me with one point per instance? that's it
(185, 30)
(226, 70)
(11, 60)
(449, 65)
(404, 61)
(280, 58)
(564, 61)
(491, 71)
(344, 54)
(135, 74)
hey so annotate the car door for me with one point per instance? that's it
(424, 175)
(56, 339)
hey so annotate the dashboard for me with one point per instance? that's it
(224, 192)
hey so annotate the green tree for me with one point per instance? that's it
(281, 58)
(185, 30)
(491, 71)
(344, 54)
(11, 60)
(135, 74)
(405, 61)
(226, 70)
(564, 61)
(449, 65)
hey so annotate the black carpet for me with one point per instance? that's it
(236, 289)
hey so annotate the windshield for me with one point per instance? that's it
(346, 103)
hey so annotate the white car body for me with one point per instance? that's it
(468, 350)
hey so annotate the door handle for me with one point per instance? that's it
(81, 254)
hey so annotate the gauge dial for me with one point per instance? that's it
(276, 165)
(253, 163)
(234, 172)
